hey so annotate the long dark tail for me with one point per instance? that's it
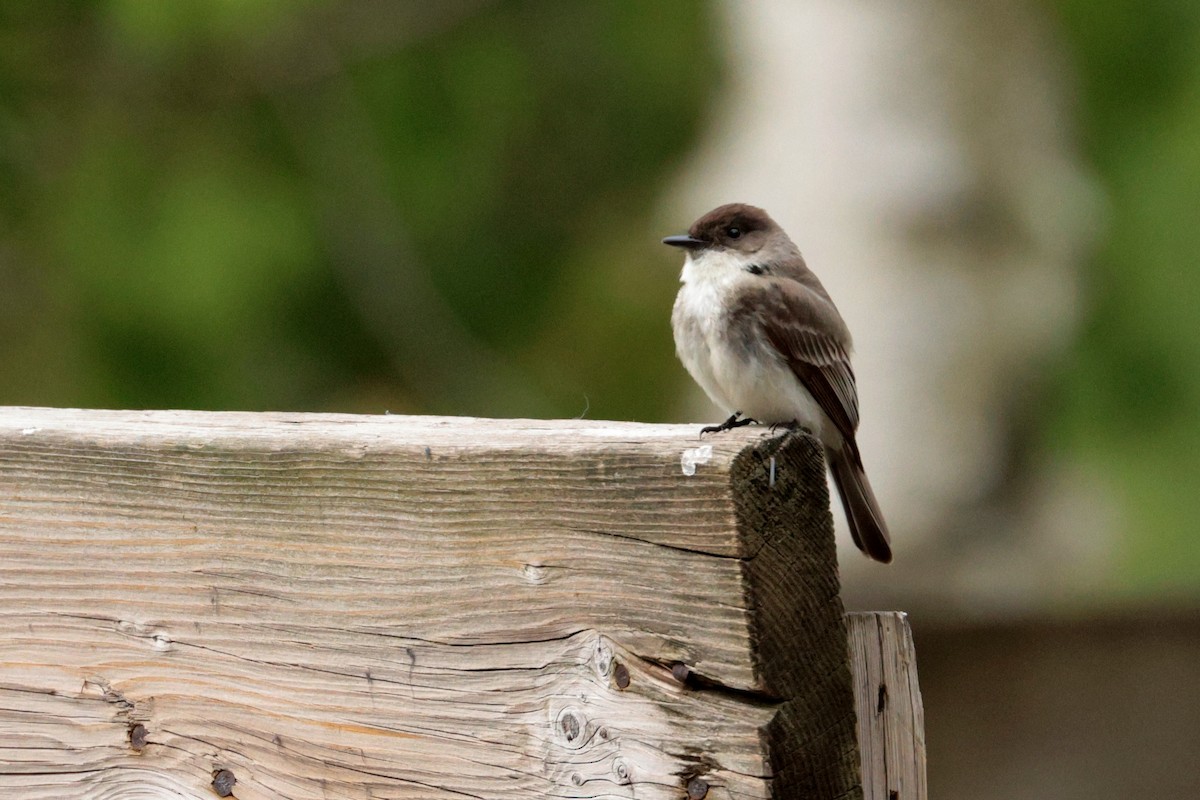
(862, 510)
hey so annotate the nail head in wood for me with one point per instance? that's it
(137, 737)
(697, 788)
(621, 675)
(222, 782)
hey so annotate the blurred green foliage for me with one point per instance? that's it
(1130, 393)
(341, 205)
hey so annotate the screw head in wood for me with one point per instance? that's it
(222, 782)
(697, 788)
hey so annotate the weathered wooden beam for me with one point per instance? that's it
(403, 607)
(891, 718)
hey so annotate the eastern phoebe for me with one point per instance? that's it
(758, 332)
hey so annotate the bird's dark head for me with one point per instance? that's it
(736, 226)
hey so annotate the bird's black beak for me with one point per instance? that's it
(690, 242)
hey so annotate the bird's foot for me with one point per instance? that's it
(790, 427)
(729, 424)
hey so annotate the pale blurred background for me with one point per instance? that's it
(455, 208)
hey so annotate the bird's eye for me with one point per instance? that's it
(733, 233)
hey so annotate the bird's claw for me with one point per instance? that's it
(790, 427)
(729, 424)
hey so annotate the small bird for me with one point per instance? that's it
(759, 333)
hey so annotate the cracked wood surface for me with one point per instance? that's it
(416, 607)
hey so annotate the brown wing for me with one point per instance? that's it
(799, 321)
(808, 332)
(824, 368)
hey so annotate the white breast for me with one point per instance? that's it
(695, 321)
(753, 380)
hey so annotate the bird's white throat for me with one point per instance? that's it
(714, 266)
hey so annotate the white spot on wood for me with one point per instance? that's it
(29, 431)
(693, 456)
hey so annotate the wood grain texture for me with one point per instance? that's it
(891, 718)
(415, 607)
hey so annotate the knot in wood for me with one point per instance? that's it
(603, 658)
(535, 574)
(571, 727)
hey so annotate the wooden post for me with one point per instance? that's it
(891, 719)
(300, 606)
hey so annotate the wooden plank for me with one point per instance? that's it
(891, 719)
(402, 607)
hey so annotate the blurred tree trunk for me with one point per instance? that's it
(920, 153)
